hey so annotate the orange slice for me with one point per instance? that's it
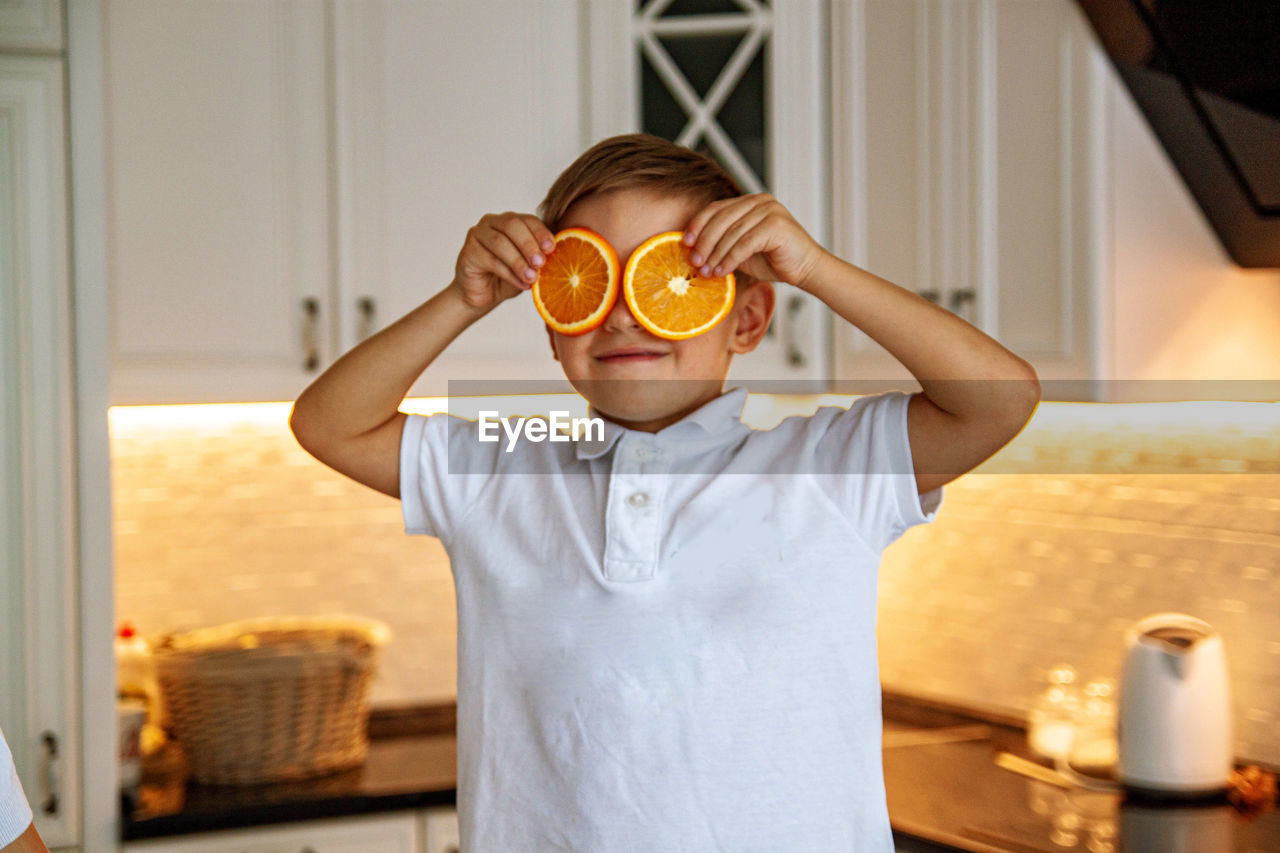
(666, 294)
(578, 285)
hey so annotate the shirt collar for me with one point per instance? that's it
(716, 418)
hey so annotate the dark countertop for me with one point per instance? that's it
(955, 795)
(948, 791)
(412, 763)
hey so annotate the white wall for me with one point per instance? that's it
(1180, 308)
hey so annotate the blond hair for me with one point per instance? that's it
(638, 160)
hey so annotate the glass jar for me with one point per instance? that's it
(1094, 747)
(1051, 723)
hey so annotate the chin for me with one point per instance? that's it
(636, 400)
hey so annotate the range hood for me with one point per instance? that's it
(1206, 73)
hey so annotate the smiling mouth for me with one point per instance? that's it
(629, 357)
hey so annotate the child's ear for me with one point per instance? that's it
(752, 309)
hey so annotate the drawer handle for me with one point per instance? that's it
(49, 774)
(310, 331)
(795, 355)
(368, 310)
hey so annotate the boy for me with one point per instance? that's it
(655, 662)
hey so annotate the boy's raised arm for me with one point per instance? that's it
(349, 417)
(977, 395)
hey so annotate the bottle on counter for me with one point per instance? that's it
(134, 672)
(136, 680)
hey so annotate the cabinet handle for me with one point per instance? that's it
(932, 294)
(310, 329)
(795, 355)
(368, 311)
(960, 298)
(49, 774)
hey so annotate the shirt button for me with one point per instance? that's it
(638, 499)
(643, 454)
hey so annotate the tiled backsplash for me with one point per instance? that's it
(224, 518)
(1039, 566)
(219, 515)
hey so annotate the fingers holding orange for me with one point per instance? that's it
(719, 228)
(500, 258)
(515, 239)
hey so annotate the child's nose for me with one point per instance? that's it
(620, 318)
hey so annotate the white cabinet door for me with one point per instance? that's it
(31, 25)
(1046, 209)
(970, 144)
(38, 655)
(394, 834)
(218, 209)
(441, 831)
(446, 111)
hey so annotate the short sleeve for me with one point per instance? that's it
(443, 468)
(15, 812)
(863, 461)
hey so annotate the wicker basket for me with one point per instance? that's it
(269, 700)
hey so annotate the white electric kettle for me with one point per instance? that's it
(1173, 728)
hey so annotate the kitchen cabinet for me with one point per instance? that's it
(397, 833)
(288, 177)
(970, 146)
(39, 662)
(219, 265)
(440, 831)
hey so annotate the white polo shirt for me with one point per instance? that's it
(15, 812)
(666, 641)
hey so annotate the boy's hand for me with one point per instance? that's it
(501, 257)
(756, 234)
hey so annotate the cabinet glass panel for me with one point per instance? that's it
(703, 80)
(661, 114)
(694, 7)
(742, 115)
(701, 58)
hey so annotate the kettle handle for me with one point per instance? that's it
(1139, 631)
